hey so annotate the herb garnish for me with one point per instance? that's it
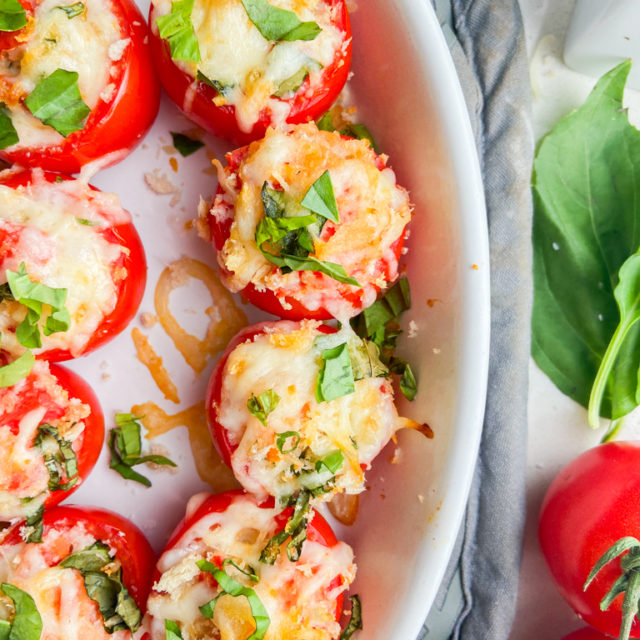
(358, 131)
(277, 24)
(229, 586)
(16, 370)
(355, 620)
(172, 630)
(119, 610)
(27, 623)
(332, 462)
(34, 526)
(59, 457)
(72, 10)
(291, 84)
(335, 378)
(282, 438)
(321, 200)
(8, 133)
(125, 446)
(177, 29)
(222, 88)
(56, 101)
(184, 144)
(12, 15)
(261, 406)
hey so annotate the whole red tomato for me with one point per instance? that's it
(197, 99)
(121, 116)
(592, 503)
(128, 270)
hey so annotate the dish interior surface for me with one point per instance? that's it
(408, 95)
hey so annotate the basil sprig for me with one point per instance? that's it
(27, 623)
(177, 29)
(8, 133)
(15, 371)
(12, 15)
(277, 24)
(59, 457)
(184, 144)
(261, 406)
(352, 130)
(321, 200)
(229, 586)
(118, 609)
(125, 445)
(56, 102)
(72, 10)
(172, 630)
(295, 528)
(335, 378)
(355, 619)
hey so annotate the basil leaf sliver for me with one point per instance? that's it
(92, 558)
(408, 384)
(177, 29)
(27, 623)
(321, 200)
(332, 462)
(355, 620)
(277, 24)
(261, 406)
(12, 15)
(26, 291)
(8, 133)
(16, 370)
(282, 438)
(335, 378)
(34, 526)
(223, 89)
(72, 10)
(5, 629)
(184, 144)
(172, 630)
(309, 263)
(56, 102)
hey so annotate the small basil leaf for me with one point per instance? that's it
(277, 24)
(56, 102)
(361, 132)
(176, 27)
(273, 230)
(64, 459)
(261, 406)
(321, 200)
(408, 384)
(72, 10)
(332, 462)
(394, 302)
(325, 122)
(291, 84)
(87, 223)
(355, 620)
(34, 527)
(16, 370)
(295, 527)
(12, 16)
(58, 321)
(281, 439)
(27, 623)
(184, 144)
(272, 201)
(222, 88)
(8, 133)
(250, 573)
(26, 291)
(309, 263)
(92, 558)
(335, 378)
(172, 630)
(5, 629)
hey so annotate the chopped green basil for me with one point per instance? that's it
(56, 102)
(321, 200)
(335, 378)
(249, 572)
(184, 144)
(59, 457)
(408, 384)
(261, 406)
(87, 223)
(229, 586)
(358, 131)
(72, 10)
(293, 83)
(126, 446)
(172, 630)
(27, 623)
(332, 462)
(365, 360)
(394, 302)
(355, 620)
(295, 528)
(176, 27)
(5, 629)
(309, 263)
(273, 230)
(12, 15)
(8, 133)
(118, 609)
(222, 88)
(16, 370)
(282, 438)
(277, 24)
(34, 527)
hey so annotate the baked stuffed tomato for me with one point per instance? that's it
(88, 578)
(297, 406)
(238, 66)
(51, 434)
(308, 223)
(72, 265)
(230, 571)
(77, 83)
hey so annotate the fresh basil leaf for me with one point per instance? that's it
(272, 201)
(177, 29)
(586, 174)
(34, 527)
(408, 384)
(261, 406)
(8, 133)
(5, 292)
(282, 438)
(12, 16)
(332, 462)
(92, 558)
(72, 10)
(275, 229)
(5, 629)
(335, 378)
(222, 88)
(87, 223)
(279, 24)
(365, 360)
(361, 132)
(27, 623)
(57, 321)
(394, 302)
(27, 292)
(172, 630)
(321, 200)
(230, 586)
(16, 370)
(295, 527)
(309, 263)
(249, 572)
(28, 331)
(290, 85)
(184, 144)
(59, 457)
(56, 102)
(355, 619)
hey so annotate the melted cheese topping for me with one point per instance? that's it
(58, 250)
(298, 596)
(236, 54)
(87, 44)
(60, 596)
(373, 211)
(286, 361)
(39, 399)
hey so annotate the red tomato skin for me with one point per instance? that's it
(219, 433)
(130, 290)
(113, 127)
(593, 502)
(587, 633)
(221, 121)
(132, 548)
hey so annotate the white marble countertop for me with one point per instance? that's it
(558, 429)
